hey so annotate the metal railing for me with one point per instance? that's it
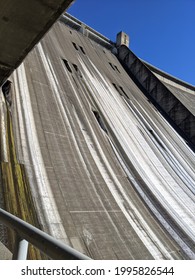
(47, 244)
(78, 25)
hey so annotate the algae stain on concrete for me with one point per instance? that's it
(16, 190)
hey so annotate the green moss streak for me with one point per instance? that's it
(16, 189)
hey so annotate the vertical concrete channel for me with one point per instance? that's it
(14, 185)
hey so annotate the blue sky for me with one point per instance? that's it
(162, 32)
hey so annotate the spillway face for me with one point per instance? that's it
(108, 175)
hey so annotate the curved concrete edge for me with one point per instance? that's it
(22, 27)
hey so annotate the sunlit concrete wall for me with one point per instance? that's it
(103, 165)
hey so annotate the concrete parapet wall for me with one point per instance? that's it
(175, 112)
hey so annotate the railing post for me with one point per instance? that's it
(50, 246)
(20, 249)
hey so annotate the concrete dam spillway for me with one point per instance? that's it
(100, 167)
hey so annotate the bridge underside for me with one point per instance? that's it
(22, 25)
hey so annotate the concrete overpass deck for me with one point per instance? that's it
(22, 25)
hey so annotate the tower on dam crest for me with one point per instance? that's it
(122, 39)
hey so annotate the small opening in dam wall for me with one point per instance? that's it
(114, 67)
(115, 86)
(67, 65)
(99, 120)
(75, 46)
(117, 68)
(124, 92)
(120, 90)
(82, 50)
(75, 67)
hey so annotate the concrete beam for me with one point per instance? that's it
(22, 25)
